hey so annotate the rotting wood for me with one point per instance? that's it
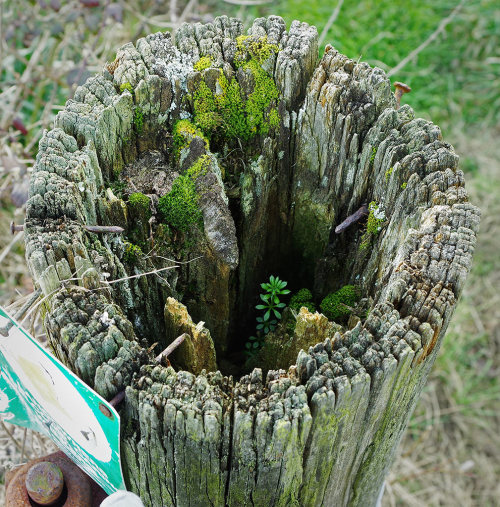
(325, 430)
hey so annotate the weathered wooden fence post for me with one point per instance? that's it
(236, 157)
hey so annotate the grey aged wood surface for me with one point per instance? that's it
(325, 429)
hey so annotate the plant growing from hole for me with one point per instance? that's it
(271, 306)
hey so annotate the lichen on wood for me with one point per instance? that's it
(319, 420)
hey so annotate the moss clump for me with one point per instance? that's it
(255, 48)
(183, 133)
(376, 218)
(199, 168)
(302, 298)
(403, 185)
(222, 113)
(203, 63)
(179, 208)
(127, 86)
(140, 202)
(388, 173)
(132, 252)
(338, 305)
(138, 119)
(251, 54)
(226, 113)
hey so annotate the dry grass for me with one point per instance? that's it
(450, 453)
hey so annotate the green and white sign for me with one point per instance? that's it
(37, 391)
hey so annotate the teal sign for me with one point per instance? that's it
(38, 392)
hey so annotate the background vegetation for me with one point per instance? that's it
(447, 51)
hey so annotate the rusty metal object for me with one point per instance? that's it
(44, 483)
(79, 490)
(97, 229)
(16, 228)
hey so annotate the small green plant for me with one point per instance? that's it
(388, 173)
(302, 298)
(338, 305)
(376, 218)
(179, 208)
(403, 185)
(372, 156)
(271, 306)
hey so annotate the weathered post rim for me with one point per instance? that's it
(289, 426)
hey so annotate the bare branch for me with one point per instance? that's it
(330, 22)
(432, 37)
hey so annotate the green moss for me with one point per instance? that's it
(372, 156)
(179, 208)
(138, 119)
(199, 168)
(254, 48)
(226, 113)
(302, 298)
(231, 108)
(337, 305)
(203, 63)
(403, 185)
(183, 133)
(376, 218)
(132, 252)
(140, 202)
(257, 106)
(126, 86)
(388, 173)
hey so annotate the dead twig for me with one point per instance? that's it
(333, 17)
(432, 37)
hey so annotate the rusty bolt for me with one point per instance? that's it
(14, 228)
(91, 228)
(401, 89)
(44, 483)
(78, 486)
